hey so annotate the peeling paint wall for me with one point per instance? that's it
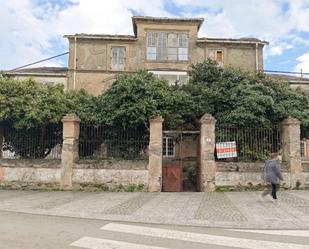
(93, 56)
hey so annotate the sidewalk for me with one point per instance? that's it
(228, 210)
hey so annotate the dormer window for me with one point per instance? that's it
(164, 46)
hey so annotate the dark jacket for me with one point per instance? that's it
(272, 172)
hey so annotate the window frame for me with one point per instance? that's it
(118, 68)
(215, 51)
(166, 140)
(161, 54)
(176, 73)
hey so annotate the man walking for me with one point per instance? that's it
(272, 174)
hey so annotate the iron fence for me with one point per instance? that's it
(35, 143)
(303, 150)
(98, 141)
(252, 143)
(304, 135)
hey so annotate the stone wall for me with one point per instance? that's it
(250, 174)
(21, 173)
(30, 171)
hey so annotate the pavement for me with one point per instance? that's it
(247, 210)
(35, 231)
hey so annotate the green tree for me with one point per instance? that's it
(238, 97)
(27, 104)
(134, 98)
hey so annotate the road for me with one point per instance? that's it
(33, 231)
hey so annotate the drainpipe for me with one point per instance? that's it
(75, 52)
(256, 57)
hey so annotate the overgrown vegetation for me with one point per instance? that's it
(232, 96)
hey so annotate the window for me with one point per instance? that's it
(173, 77)
(168, 147)
(163, 46)
(118, 58)
(216, 55)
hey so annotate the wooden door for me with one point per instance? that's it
(172, 178)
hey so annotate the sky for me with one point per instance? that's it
(32, 30)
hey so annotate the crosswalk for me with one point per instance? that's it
(229, 238)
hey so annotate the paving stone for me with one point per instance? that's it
(132, 205)
(217, 207)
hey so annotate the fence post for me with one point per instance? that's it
(207, 148)
(69, 155)
(155, 155)
(290, 139)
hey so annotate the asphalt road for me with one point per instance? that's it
(30, 231)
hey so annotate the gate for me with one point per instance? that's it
(180, 161)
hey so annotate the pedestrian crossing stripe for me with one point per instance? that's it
(96, 243)
(297, 233)
(201, 238)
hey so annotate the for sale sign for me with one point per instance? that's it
(226, 150)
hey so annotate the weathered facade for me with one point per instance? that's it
(165, 46)
(44, 75)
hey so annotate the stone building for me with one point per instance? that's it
(44, 75)
(165, 46)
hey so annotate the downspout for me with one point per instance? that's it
(75, 52)
(256, 57)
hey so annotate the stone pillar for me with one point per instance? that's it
(290, 139)
(69, 154)
(207, 148)
(155, 155)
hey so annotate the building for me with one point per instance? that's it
(45, 75)
(165, 46)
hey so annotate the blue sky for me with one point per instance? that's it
(34, 29)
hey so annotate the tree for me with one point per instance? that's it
(134, 98)
(28, 104)
(238, 97)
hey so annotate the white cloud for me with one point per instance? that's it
(279, 49)
(33, 32)
(303, 63)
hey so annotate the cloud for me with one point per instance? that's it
(303, 63)
(34, 29)
(279, 49)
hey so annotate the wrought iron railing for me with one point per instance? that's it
(252, 143)
(35, 143)
(98, 141)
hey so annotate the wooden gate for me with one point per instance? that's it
(172, 178)
(180, 161)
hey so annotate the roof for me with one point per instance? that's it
(40, 71)
(152, 19)
(231, 40)
(103, 37)
(290, 78)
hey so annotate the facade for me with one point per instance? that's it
(165, 46)
(44, 75)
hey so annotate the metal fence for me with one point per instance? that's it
(35, 143)
(304, 135)
(101, 142)
(252, 143)
(303, 150)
